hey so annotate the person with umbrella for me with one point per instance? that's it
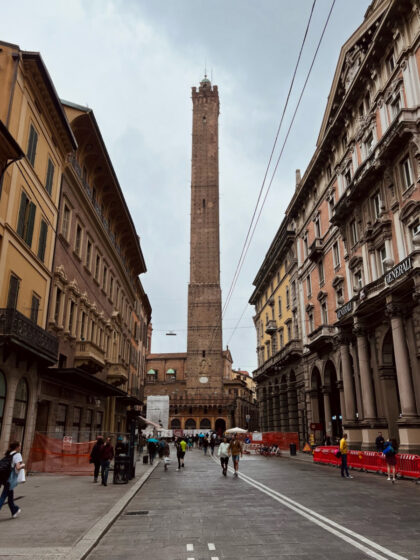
(151, 449)
(235, 449)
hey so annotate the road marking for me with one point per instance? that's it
(327, 524)
(211, 546)
(190, 558)
(214, 558)
(190, 547)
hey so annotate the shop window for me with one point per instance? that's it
(88, 424)
(20, 409)
(77, 417)
(60, 421)
(99, 421)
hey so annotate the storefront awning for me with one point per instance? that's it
(157, 426)
(82, 380)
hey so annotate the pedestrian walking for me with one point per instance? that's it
(380, 442)
(223, 453)
(205, 444)
(166, 453)
(10, 468)
(190, 443)
(235, 449)
(142, 445)
(151, 449)
(390, 452)
(344, 450)
(106, 455)
(181, 446)
(95, 457)
(212, 445)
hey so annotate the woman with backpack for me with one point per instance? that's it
(390, 452)
(14, 459)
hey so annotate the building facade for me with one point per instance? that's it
(36, 138)
(355, 215)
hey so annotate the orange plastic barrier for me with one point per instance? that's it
(51, 455)
(370, 461)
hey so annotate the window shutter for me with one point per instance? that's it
(22, 210)
(30, 226)
(42, 240)
(34, 309)
(13, 292)
(33, 140)
(50, 176)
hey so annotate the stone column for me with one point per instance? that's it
(293, 410)
(276, 409)
(270, 410)
(349, 396)
(327, 410)
(365, 375)
(284, 415)
(12, 381)
(405, 384)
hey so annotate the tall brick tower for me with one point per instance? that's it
(204, 365)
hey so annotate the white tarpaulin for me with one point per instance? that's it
(158, 410)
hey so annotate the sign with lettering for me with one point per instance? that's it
(344, 310)
(402, 268)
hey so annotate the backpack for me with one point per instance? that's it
(389, 451)
(5, 468)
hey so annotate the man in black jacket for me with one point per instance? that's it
(95, 457)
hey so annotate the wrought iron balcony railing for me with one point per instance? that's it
(24, 333)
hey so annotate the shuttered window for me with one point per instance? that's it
(50, 177)
(26, 219)
(32, 142)
(13, 292)
(34, 308)
(42, 243)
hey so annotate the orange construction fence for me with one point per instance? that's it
(407, 465)
(281, 439)
(50, 455)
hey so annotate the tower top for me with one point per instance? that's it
(205, 88)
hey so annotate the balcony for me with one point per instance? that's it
(271, 327)
(117, 374)
(290, 352)
(321, 338)
(89, 356)
(315, 249)
(19, 332)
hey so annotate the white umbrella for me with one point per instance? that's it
(236, 431)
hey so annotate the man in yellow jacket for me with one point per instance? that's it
(344, 450)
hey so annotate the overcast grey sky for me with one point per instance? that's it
(133, 62)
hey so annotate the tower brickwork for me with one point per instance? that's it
(204, 366)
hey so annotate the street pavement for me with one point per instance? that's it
(63, 516)
(278, 508)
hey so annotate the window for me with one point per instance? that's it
(65, 224)
(12, 297)
(289, 331)
(309, 286)
(396, 106)
(390, 63)
(77, 416)
(60, 421)
(347, 176)
(317, 227)
(376, 205)
(353, 232)
(415, 228)
(324, 313)
(82, 325)
(78, 240)
(99, 421)
(329, 172)
(42, 243)
(26, 219)
(293, 290)
(406, 176)
(361, 110)
(382, 258)
(57, 305)
(111, 286)
(88, 424)
(369, 142)
(281, 339)
(331, 204)
(321, 273)
(50, 177)
(35, 308)
(339, 296)
(344, 142)
(71, 316)
(287, 298)
(336, 255)
(358, 279)
(305, 244)
(104, 278)
(88, 253)
(97, 266)
(20, 408)
(32, 142)
(311, 321)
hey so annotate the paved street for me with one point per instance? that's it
(198, 514)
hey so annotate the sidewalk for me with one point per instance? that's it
(64, 516)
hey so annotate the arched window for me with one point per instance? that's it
(205, 424)
(152, 376)
(20, 409)
(175, 424)
(171, 374)
(2, 397)
(190, 424)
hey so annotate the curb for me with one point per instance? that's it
(85, 545)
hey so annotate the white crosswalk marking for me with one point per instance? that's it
(211, 546)
(214, 558)
(190, 547)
